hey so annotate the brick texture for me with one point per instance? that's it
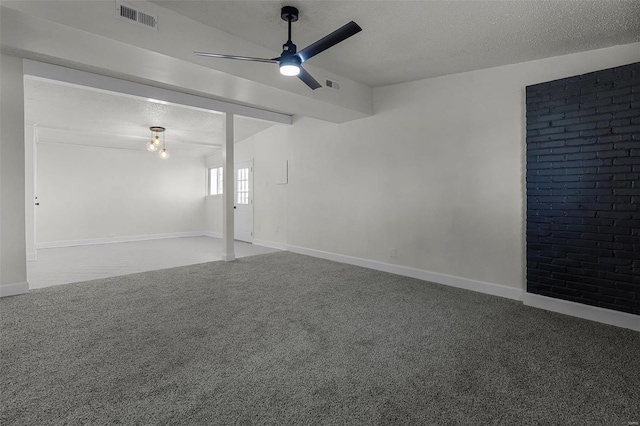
(583, 188)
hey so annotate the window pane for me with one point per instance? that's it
(212, 182)
(215, 181)
(242, 186)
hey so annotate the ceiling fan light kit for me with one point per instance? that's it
(290, 61)
(290, 67)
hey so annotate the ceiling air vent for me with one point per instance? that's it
(332, 84)
(136, 16)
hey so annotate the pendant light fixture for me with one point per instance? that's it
(154, 143)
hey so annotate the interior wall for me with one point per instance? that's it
(93, 192)
(13, 271)
(435, 178)
(270, 182)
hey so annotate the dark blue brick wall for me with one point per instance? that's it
(583, 188)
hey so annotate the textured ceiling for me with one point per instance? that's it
(69, 114)
(401, 41)
(411, 40)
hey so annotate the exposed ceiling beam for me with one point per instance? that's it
(103, 83)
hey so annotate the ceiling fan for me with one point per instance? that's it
(291, 60)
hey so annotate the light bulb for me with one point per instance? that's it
(164, 154)
(156, 140)
(151, 146)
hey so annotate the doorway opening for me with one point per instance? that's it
(97, 186)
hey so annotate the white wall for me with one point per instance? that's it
(13, 271)
(270, 193)
(437, 173)
(91, 192)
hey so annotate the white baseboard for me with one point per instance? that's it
(593, 313)
(14, 289)
(31, 257)
(229, 257)
(449, 280)
(212, 234)
(126, 239)
(263, 243)
(271, 244)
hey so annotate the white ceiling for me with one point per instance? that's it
(75, 115)
(401, 41)
(411, 40)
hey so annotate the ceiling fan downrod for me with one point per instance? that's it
(289, 14)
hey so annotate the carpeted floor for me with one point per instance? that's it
(288, 339)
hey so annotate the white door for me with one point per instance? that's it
(243, 206)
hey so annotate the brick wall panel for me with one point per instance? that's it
(583, 188)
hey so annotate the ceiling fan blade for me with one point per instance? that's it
(242, 58)
(326, 42)
(308, 80)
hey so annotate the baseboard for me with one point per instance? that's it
(229, 257)
(449, 280)
(14, 289)
(271, 244)
(126, 239)
(593, 313)
(263, 243)
(32, 257)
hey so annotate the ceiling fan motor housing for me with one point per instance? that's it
(290, 58)
(289, 47)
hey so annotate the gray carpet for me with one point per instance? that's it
(288, 339)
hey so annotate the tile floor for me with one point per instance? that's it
(82, 263)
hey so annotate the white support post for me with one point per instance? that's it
(30, 188)
(228, 191)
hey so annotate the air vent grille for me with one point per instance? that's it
(147, 20)
(136, 16)
(332, 84)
